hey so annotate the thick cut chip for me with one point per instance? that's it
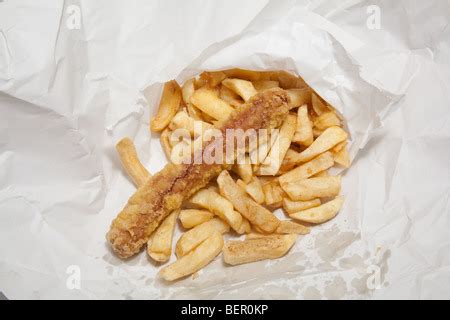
(194, 260)
(272, 162)
(250, 75)
(192, 238)
(244, 169)
(273, 193)
(168, 106)
(257, 235)
(193, 217)
(321, 213)
(255, 213)
(130, 161)
(261, 85)
(187, 90)
(304, 131)
(294, 206)
(271, 247)
(308, 169)
(230, 97)
(312, 188)
(299, 97)
(322, 174)
(339, 146)
(291, 227)
(194, 112)
(159, 247)
(318, 105)
(342, 157)
(327, 140)
(290, 161)
(243, 88)
(165, 142)
(326, 120)
(254, 189)
(213, 78)
(183, 121)
(317, 132)
(208, 102)
(219, 205)
(259, 154)
(289, 81)
(245, 227)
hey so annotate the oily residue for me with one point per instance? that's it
(312, 293)
(353, 262)
(361, 284)
(337, 289)
(331, 244)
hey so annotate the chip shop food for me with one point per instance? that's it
(218, 186)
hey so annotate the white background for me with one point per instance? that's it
(66, 96)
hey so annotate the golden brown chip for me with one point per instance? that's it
(251, 250)
(168, 106)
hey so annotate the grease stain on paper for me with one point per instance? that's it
(331, 244)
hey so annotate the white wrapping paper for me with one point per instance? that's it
(67, 95)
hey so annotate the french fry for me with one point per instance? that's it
(312, 188)
(165, 142)
(318, 105)
(326, 120)
(213, 78)
(273, 193)
(192, 238)
(194, 112)
(261, 231)
(255, 213)
(230, 97)
(243, 88)
(187, 90)
(272, 247)
(317, 132)
(250, 75)
(168, 106)
(193, 217)
(219, 205)
(291, 227)
(194, 260)
(183, 121)
(130, 161)
(180, 142)
(304, 131)
(299, 97)
(244, 170)
(159, 247)
(245, 227)
(294, 206)
(257, 235)
(327, 140)
(261, 85)
(290, 161)
(272, 162)
(321, 213)
(308, 169)
(289, 81)
(259, 154)
(254, 189)
(339, 147)
(342, 157)
(322, 174)
(208, 102)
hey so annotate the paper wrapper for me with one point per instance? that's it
(69, 94)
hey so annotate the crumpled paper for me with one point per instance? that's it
(68, 95)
